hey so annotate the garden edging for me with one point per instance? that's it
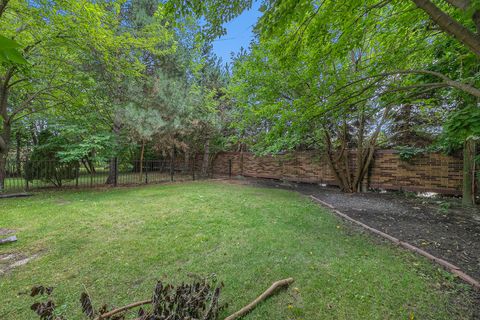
(445, 264)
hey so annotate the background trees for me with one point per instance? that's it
(116, 71)
(337, 76)
(138, 78)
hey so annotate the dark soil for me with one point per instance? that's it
(439, 225)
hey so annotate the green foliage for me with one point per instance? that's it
(214, 12)
(45, 164)
(407, 153)
(462, 125)
(78, 144)
(9, 52)
(314, 68)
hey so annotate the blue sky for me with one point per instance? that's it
(239, 33)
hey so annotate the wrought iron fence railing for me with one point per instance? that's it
(45, 174)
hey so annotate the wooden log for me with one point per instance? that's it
(125, 308)
(8, 240)
(276, 285)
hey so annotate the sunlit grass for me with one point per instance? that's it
(118, 242)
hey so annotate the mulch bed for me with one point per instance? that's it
(451, 233)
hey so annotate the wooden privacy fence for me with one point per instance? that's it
(433, 172)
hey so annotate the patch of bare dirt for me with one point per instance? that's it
(4, 232)
(12, 260)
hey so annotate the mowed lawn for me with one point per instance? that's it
(118, 242)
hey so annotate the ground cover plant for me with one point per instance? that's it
(117, 243)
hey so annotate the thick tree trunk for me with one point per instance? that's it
(5, 125)
(206, 157)
(3, 171)
(468, 192)
(333, 162)
(450, 25)
(4, 147)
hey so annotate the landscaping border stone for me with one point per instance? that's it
(445, 264)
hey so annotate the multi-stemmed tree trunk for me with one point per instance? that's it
(348, 174)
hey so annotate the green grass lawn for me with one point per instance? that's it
(118, 242)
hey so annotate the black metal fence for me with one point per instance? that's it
(35, 175)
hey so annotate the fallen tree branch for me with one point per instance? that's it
(124, 308)
(276, 285)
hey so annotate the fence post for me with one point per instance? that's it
(146, 172)
(229, 168)
(172, 164)
(25, 175)
(115, 171)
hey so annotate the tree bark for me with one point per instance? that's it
(450, 25)
(3, 6)
(468, 192)
(5, 134)
(3, 171)
(337, 172)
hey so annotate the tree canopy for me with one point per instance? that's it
(138, 78)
